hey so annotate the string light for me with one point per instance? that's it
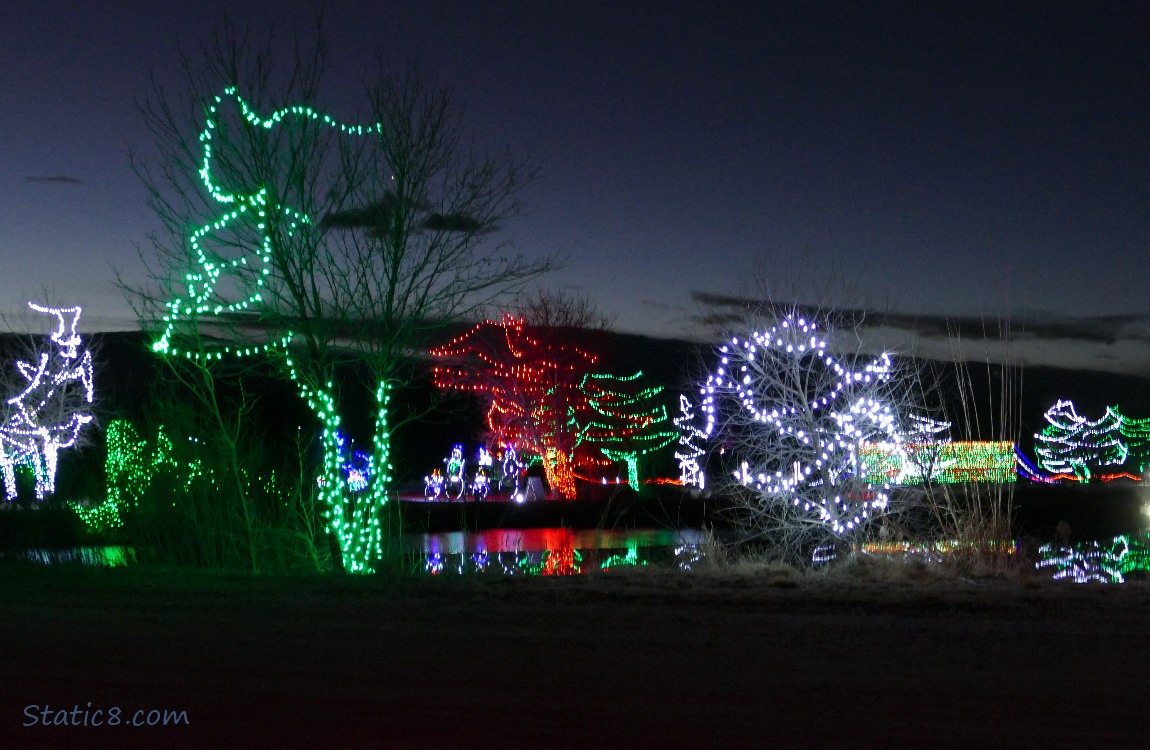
(480, 486)
(990, 462)
(690, 473)
(811, 413)
(532, 389)
(626, 420)
(257, 208)
(512, 469)
(351, 515)
(36, 430)
(1073, 447)
(629, 559)
(1095, 562)
(358, 469)
(433, 485)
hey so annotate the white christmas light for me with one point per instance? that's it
(816, 413)
(37, 428)
(690, 473)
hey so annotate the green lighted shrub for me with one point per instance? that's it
(171, 494)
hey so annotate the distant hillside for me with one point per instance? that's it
(128, 374)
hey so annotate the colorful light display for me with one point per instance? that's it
(532, 389)
(626, 420)
(351, 516)
(480, 487)
(131, 465)
(358, 469)
(47, 415)
(433, 485)
(629, 559)
(454, 481)
(988, 462)
(800, 417)
(512, 470)
(1096, 562)
(253, 207)
(1073, 447)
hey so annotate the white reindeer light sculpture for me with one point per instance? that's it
(47, 415)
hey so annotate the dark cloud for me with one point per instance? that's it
(377, 218)
(1111, 343)
(59, 178)
(1104, 329)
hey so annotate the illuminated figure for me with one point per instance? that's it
(433, 485)
(512, 468)
(454, 481)
(480, 486)
(48, 413)
(690, 472)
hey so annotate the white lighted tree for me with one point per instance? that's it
(790, 418)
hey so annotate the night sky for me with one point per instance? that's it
(951, 158)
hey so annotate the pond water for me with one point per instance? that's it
(1125, 557)
(562, 551)
(541, 540)
(548, 551)
(553, 551)
(108, 557)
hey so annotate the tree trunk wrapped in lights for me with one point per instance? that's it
(334, 249)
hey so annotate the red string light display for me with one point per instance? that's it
(532, 389)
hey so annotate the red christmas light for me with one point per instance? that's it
(535, 403)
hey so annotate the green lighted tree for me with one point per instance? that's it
(330, 248)
(627, 419)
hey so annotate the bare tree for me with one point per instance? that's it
(557, 309)
(790, 405)
(318, 243)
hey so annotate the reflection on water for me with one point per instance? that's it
(538, 540)
(552, 552)
(546, 563)
(1100, 562)
(108, 557)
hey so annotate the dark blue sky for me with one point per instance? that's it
(953, 158)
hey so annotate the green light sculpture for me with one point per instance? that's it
(352, 517)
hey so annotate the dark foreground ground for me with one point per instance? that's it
(639, 659)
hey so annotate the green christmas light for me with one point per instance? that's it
(1073, 447)
(629, 559)
(351, 516)
(1097, 562)
(627, 420)
(990, 462)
